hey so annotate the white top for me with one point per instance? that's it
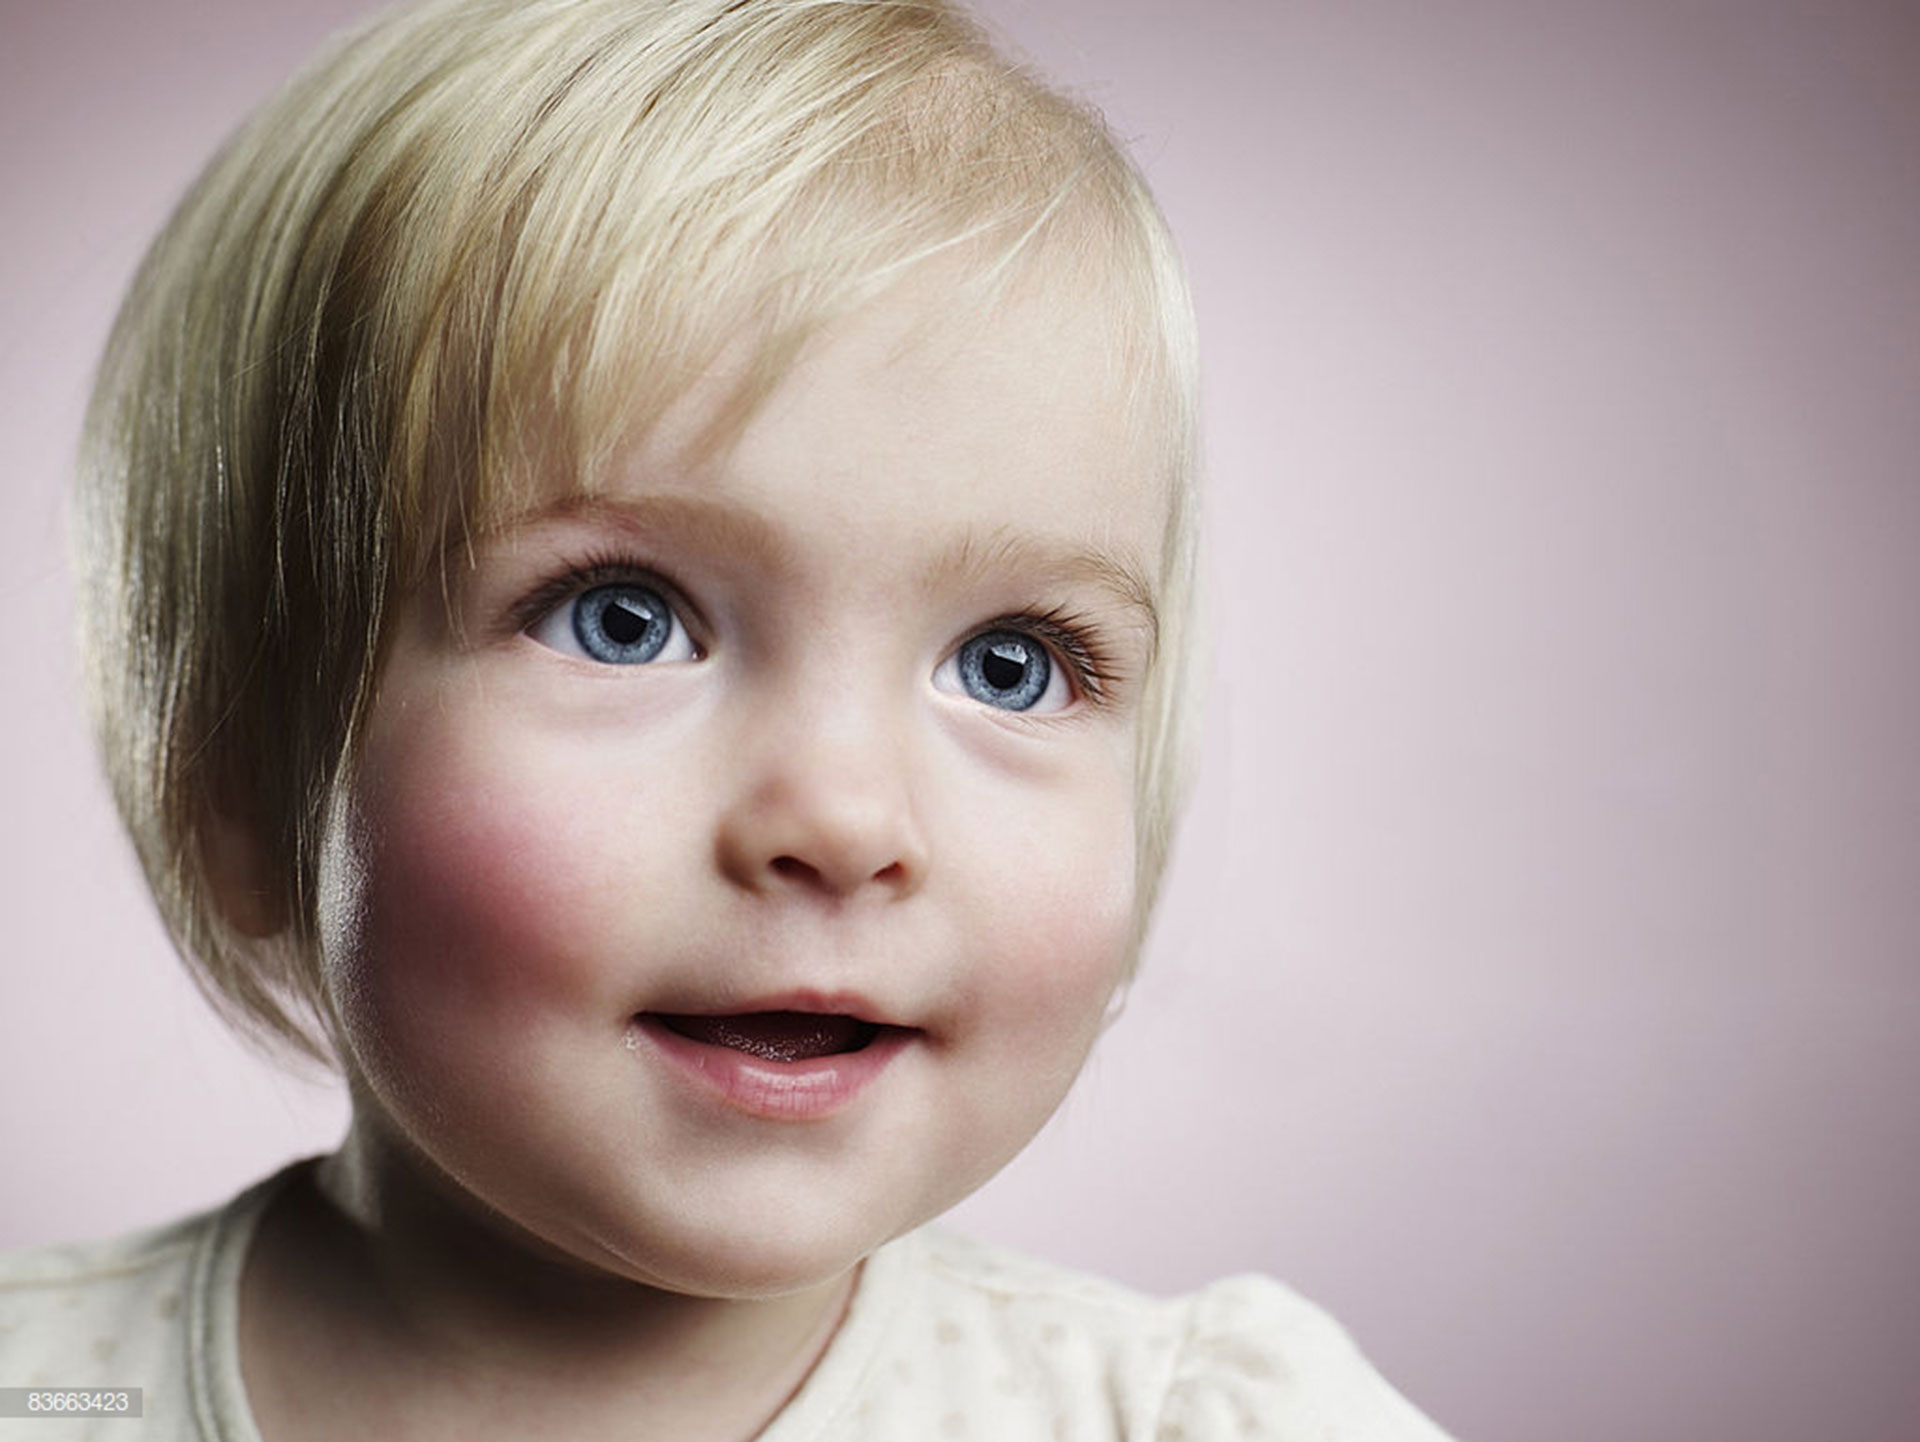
(944, 1338)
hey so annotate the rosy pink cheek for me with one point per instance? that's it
(483, 898)
(1048, 964)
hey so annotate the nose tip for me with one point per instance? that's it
(827, 831)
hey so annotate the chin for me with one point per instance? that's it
(754, 1250)
(735, 1265)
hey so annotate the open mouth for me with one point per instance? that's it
(776, 1064)
(778, 1036)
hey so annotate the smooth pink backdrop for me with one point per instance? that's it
(1539, 984)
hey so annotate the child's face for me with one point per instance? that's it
(766, 736)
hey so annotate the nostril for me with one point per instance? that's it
(793, 868)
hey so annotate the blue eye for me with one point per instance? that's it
(1005, 669)
(622, 624)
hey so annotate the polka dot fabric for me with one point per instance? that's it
(951, 1338)
(946, 1338)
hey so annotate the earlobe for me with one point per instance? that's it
(239, 878)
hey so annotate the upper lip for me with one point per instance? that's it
(806, 1000)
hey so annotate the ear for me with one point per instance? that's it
(238, 876)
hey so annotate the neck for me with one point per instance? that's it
(454, 1307)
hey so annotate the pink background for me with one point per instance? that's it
(1539, 986)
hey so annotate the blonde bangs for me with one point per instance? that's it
(581, 277)
(465, 259)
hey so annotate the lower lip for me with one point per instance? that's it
(787, 1091)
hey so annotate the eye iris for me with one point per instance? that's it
(1004, 669)
(622, 625)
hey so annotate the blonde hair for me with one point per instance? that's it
(478, 220)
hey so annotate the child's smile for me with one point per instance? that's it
(789, 1058)
(742, 875)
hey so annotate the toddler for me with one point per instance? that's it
(638, 558)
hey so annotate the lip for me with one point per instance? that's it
(790, 1091)
(826, 1003)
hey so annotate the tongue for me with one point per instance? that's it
(777, 1035)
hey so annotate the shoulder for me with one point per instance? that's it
(1243, 1358)
(1259, 1360)
(111, 1316)
(77, 1303)
(141, 1310)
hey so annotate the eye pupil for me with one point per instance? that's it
(624, 621)
(1004, 665)
(1004, 669)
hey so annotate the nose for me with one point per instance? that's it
(823, 803)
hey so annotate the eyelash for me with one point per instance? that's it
(594, 570)
(1069, 634)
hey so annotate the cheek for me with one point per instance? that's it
(1046, 933)
(1055, 921)
(469, 900)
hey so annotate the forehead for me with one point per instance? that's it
(932, 434)
(924, 419)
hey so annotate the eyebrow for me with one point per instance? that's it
(723, 527)
(1008, 550)
(703, 521)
